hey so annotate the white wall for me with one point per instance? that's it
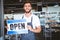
(15, 15)
(51, 9)
(18, 16)
(8, 15)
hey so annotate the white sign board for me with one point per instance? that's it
(17, 26)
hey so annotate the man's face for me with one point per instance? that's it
(27, 7)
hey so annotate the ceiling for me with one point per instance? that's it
(43, 2)
(17, 1)
(16, 5)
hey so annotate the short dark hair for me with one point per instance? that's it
(26, 2)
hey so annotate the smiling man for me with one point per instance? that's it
(33, 23)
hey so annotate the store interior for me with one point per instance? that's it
(48, 12)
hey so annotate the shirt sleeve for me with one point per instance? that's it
(36, 21)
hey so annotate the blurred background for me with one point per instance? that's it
(47, 10)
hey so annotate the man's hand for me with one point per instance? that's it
(29, 28)
(36, 30)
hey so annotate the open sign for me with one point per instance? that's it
(17, 26)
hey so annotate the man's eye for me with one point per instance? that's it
(29, 6)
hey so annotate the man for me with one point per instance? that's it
(33, 23)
